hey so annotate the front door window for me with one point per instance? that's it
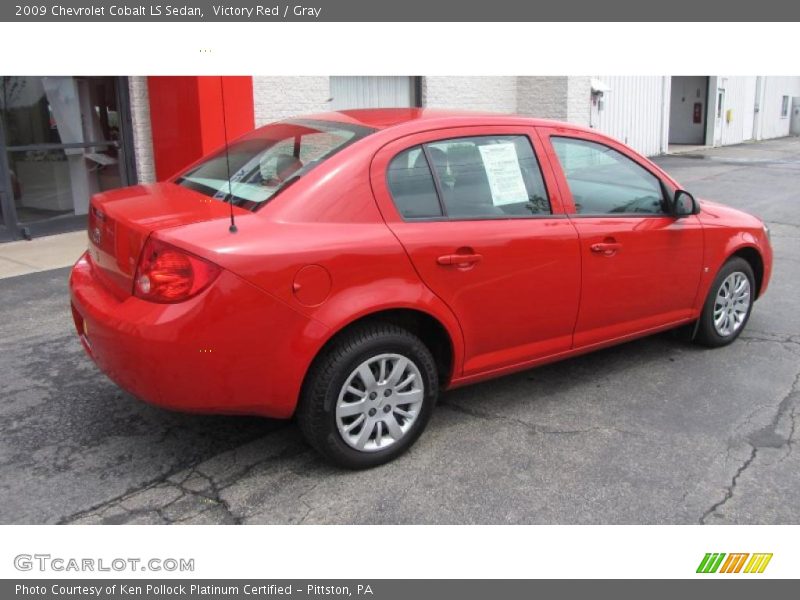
(603, 181)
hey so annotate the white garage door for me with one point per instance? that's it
(371, 92)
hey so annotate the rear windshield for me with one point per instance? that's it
(255, 169)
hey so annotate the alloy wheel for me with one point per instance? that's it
(379, 402)
(732, 303)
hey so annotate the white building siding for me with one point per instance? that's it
(749, 114)
(494, 94)
(372, 92)
(635, 111)
(772, 124)
(739, 121)
(730, 127)
(276, 98)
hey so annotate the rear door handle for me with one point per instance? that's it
(459, 260)
(606, 248)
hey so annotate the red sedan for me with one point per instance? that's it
(378, 257)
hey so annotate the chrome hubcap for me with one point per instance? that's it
(732, 303)
(379, 402)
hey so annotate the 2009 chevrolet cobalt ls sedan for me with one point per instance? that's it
(379, 257)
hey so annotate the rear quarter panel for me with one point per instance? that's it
(322, 248)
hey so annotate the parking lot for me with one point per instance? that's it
(653, 431)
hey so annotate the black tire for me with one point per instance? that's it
(707, 335)
(316, 410)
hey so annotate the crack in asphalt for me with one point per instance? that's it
(533, 427)
(764, 336)
(309, 507)
(160, 480)
(765, 437)
(115, 500)
(783, 223)
(178, 480)
(730, 489)
(790, 343)
(217, 497)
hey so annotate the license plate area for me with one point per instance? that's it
(82, 327)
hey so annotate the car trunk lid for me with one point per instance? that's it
(120, 221)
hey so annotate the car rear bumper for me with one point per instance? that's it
(232, 349)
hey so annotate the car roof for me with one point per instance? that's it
(425, 118)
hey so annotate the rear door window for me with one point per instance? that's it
(412, 186)
(481, 177)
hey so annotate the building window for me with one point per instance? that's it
(785, 106)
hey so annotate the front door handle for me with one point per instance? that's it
(606, 248)
(459, 260)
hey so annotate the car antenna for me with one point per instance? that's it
(232, 227)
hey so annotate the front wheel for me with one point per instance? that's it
(728, 305)
(369, 396)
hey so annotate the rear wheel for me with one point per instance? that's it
(369, 396)
(728, 305)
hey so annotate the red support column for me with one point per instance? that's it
(186, 117)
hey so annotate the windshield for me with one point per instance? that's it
(269, 160)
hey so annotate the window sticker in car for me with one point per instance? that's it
(505, 176)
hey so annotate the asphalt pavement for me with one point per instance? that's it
(653, 431)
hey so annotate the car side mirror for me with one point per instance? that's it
(684, 204)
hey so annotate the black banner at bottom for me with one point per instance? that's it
(733, 588)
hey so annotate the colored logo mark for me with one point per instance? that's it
(734, 563)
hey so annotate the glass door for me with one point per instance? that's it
(63, 140)
(7, 216)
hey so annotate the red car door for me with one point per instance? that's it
(484, 226)
(641, 265)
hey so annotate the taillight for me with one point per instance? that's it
(169, 274)
(96, 224)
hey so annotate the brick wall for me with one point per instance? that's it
(281, 97)
(579, 92)
(496, 94)
(543, 97)
(559, 98)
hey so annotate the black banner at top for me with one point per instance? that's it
(402, 11)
